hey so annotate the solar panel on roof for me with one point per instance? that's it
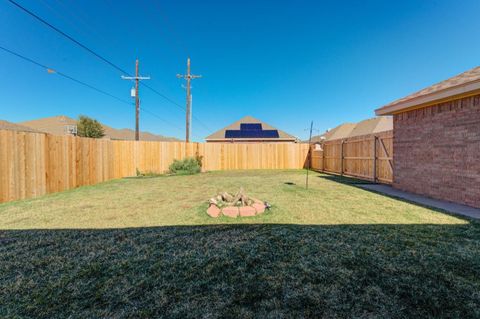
(231, 133)
(251, 130)
(270, 134)
(251, 134)
(250, 126)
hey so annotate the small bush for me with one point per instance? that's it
(88, 127)
(199, 160)
(187, 166)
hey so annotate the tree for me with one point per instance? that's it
(88, 127)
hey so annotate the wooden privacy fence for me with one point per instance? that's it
(367, 157)
(33, 164)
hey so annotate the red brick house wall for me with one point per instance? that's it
(437, 151)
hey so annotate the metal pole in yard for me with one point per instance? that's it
(309, 154)
(374, 159)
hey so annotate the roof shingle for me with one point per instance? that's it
(470, 76)
(56, 125)
(5, 125)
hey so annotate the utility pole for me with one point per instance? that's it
(136, 78)
(188, 77)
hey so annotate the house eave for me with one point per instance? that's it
(229, 140)
(452, 93)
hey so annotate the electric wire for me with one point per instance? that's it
(112, 64)
(54, 71)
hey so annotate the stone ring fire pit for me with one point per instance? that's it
(235, 205)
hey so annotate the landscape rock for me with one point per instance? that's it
(230, 211)
(257, 201)
(235, 204)
(213, 211)
(259, 207)
(227, 197)
(247, 211)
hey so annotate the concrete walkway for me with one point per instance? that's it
(422, 200)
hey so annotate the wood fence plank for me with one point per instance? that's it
(33, 164)
(358, 156)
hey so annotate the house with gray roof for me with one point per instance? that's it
(250, 130)
(9, 126)
(346, 130)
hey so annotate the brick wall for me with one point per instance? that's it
(437, 151)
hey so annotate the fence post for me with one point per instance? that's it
(342, 158)
(374, 158)
(309, 156)
(323, 157)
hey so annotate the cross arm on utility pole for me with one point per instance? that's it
(188, 76)
(135, 77)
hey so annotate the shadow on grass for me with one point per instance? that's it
(358, 184)
(267, 270)
(343, 179)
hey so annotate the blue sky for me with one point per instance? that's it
(284, 62)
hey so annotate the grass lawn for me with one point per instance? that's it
(146, 248)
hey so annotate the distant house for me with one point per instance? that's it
(338, 132)
(64, 125)
(250, 130)
(55, 125)
(9, 126)
(347, 130)
(372, 126)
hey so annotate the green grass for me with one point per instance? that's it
(182, 200)
(146, 248)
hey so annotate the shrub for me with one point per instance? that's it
(88, 127)
(199, 160)
(187, 166)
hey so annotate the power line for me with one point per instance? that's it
(155, 115)
(96, 54)
(60, 16)
(161, 94)
(53, 71)
(176, 104)
(180, 45)
(77, 15)
(67, 36)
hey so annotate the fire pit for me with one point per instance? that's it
(235, 205)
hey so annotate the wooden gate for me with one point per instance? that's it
(368, 157)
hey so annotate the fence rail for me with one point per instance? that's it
(367, 157)
(34, 164)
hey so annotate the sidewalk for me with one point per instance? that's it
(419, 199)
